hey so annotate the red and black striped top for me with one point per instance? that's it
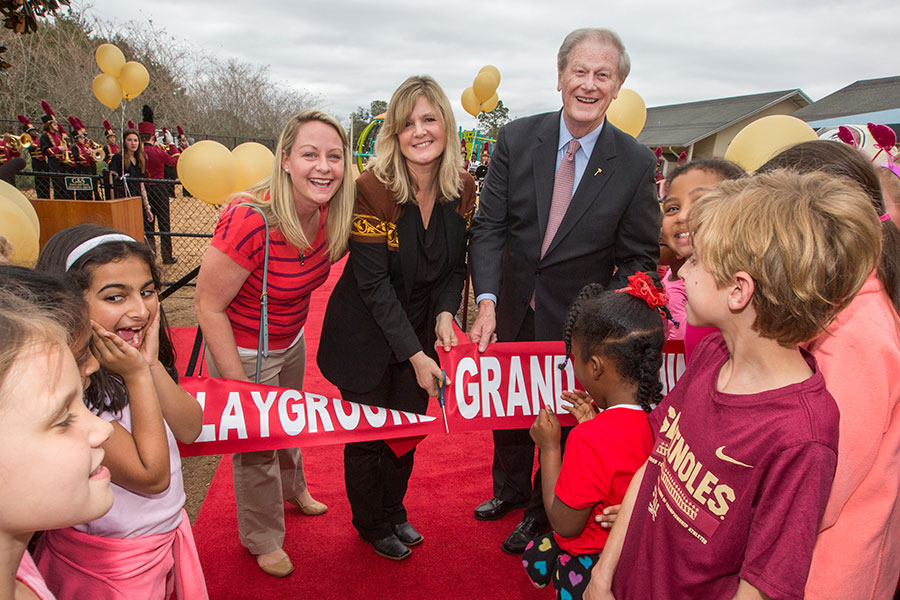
(293, 275)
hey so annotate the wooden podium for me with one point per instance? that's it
(124, 214)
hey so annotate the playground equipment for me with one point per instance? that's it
(475, 144)
(365, 147)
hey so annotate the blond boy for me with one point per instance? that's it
(729, 502)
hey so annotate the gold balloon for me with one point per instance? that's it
(491, 104)
(764, 138)
(208, 170)
(628, 112)
(254, 163)
(491, 69)
(17, 229)
(134, 79)
(470, 103)
(110, 59)
(107, 90)
(485, 85)
(12, 194)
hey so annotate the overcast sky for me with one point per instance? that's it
(351, 52)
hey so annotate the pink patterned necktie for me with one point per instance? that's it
(562, 193)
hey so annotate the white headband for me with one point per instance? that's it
(85, 247)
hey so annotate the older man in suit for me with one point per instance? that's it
(569, 200)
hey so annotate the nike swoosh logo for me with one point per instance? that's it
(726, 458)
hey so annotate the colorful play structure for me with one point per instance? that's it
(471, 140)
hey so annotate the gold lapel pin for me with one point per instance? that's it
(599, 170)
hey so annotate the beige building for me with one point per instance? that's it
(705, 128)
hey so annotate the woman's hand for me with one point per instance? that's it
(443, 329)
(580, 405)
(428, 373)
(545, 430)
(115, 354)
(150, 345)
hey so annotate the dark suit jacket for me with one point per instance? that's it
(612, 221)
(365, 325)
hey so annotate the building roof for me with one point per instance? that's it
(685, 124)
(865, 96)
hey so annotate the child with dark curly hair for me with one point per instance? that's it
(615, 340)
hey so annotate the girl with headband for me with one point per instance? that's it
(142, 548)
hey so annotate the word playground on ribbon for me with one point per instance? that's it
(501, 388)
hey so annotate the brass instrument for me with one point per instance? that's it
(67, 155)
(18, 142)
(97, 151)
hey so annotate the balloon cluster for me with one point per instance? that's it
(482, 96)
(210, 172)
(19, 225)
(764, 138)
(119, 79)
(628, 112)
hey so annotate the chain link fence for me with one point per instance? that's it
(192, 221)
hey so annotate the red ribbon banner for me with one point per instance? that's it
(501, 388)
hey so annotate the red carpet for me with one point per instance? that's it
(460, 557)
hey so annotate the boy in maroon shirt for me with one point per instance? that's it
(729, 502)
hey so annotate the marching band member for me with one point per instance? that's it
(83, 158)
(55, 148)
(38, 160)
(157, 158)
(110, 148)
(8, 151)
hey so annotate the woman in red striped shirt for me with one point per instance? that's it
(308, 203)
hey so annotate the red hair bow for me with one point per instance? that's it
(640, 285)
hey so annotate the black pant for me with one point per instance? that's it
(59, 182)
(41, 182)
(377, 479)
(514, 457)
(159, 205)
(87, 171)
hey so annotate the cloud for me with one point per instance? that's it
(353, 52)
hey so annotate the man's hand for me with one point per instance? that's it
(482, 332)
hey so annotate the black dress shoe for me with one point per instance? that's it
(524, 532)
(406, 534)
(392, 548)
(493, 509)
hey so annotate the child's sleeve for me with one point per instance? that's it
(240, 234)
(790, 503)
(584, 478)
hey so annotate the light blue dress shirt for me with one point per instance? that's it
(581, 160)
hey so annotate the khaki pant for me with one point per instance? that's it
(264, 480)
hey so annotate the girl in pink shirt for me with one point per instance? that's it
(683, 186)
(857, 551)
(50, 444)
